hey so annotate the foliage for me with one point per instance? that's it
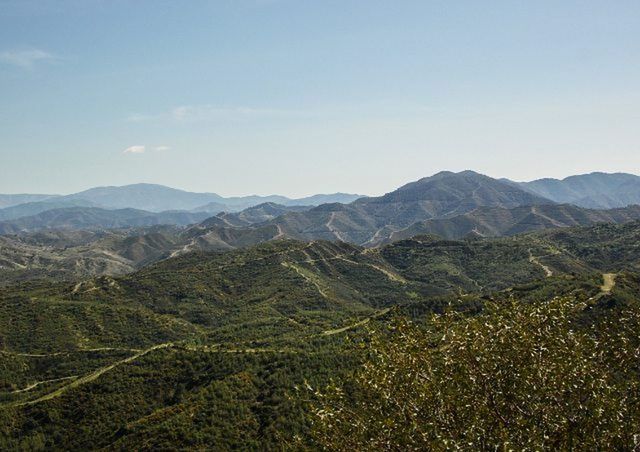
(520, 376)
(245, 331)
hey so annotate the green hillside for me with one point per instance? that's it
(220, 349)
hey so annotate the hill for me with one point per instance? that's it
(215, 349)
(498, 222)
(14, 200)
(258, 214)
(73, 255)
(594, 191)
(34, 208)
(95, 218)
(443, 195)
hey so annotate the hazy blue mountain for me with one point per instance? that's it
(216, 207)
(595, 190)
(239, 203)
(258, 214)
(150, 197)
(316, 200)
(14, 200)
(34, 208)
(154, 198)
(95, 218)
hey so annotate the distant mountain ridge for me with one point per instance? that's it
(14, 200)
(593, 191)
(158, 198)
(34, 208)
(152, 198)
(452, 205)
(93, 218)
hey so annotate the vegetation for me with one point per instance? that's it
(519, 376)
(218, 350)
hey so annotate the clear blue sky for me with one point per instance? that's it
(297, 97)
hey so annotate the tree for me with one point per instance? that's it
(518, 376)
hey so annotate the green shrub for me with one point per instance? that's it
(519, 376)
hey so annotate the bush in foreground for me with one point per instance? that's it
(520, 376)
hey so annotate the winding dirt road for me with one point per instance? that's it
(93, 375)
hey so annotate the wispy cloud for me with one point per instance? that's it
(137, 149)
(141, 149)
(26, 58)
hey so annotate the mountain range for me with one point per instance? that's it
(81, 240)
(120, 333)
(443, 195)
(152, 198)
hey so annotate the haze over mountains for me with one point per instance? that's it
(119, 236)
(157, 198)
(595, 190)
(440, 195)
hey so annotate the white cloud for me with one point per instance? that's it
(26, 58)
(162, 148)
(137, 149)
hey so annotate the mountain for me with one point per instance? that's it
(498, 222)
(448, 194)
(34, 208)
(74, 254)
(239, 203)
(150, 197)
(348, 225)
(432, 205)
(452, 205)
(96, 218)
(158, 198)
(316, 200)
(258, 214)
(14, 200)
(443, 195)
(595, 190)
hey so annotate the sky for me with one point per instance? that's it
(297, 97)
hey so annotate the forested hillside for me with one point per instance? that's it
(221, 349)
